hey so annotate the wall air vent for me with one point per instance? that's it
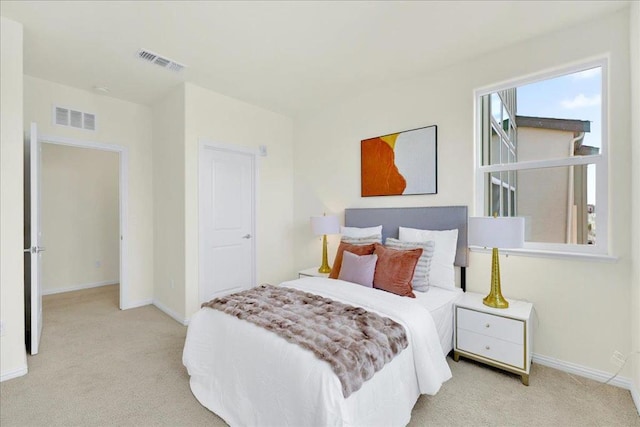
(154, 58)
(73, 118)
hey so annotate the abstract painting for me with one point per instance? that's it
(400, 163)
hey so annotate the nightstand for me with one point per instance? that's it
(311, 272)
(497, 337)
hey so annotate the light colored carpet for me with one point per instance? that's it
(99, 366)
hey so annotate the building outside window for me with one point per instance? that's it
(542, 155)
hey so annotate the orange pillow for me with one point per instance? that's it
(394, 270)
(354, 249)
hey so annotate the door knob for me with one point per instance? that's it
(246, 236)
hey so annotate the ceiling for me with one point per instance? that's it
(288, 57)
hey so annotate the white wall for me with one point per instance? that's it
(121, 123)
(635, 195)
(13, 359)
(80, 217)
(188, 113)
(168, 202)
(581, 306)
(228, 121)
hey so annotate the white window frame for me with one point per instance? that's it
(601, 248)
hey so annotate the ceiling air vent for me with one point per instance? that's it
(154, 58)
(73, 118)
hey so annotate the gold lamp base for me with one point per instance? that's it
(495, 298)
(324, 268)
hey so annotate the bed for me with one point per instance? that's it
(249, 376)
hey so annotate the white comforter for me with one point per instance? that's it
(252, 377)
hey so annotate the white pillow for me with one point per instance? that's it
(442, 273)
(361, 232)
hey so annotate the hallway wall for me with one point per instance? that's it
(80, 218)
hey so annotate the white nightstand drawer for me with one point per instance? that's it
(506, 329)
(491, 348)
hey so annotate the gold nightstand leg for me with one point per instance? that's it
(456, 356)
(525, 379)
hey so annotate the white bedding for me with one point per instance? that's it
(439, 302)
(249, 376)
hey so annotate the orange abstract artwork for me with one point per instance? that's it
(399, 163)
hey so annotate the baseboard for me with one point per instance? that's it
(166, 310)
(635, 395)
(170, 313)
(583, 371)
(138, 304)
(14, 373)
(80, 287)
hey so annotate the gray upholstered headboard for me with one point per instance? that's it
(424, 218)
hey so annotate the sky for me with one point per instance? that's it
(573, 96)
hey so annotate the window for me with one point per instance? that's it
(542, 154)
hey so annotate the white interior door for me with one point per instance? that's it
(36, 249)
(227, 230)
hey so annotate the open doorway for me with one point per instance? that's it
(81, 220)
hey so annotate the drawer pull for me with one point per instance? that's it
(487, 348)
(487, 325)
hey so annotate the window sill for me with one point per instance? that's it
(538, 253)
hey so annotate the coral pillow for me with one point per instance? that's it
(358, 268)
(420, 280)
(354, 249)
(394, 270)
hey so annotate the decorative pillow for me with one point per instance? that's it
(420, 280)
(376, 238)
(442, 273)
(355, 249)
(361, 232)
(358, 268)
(394, 270)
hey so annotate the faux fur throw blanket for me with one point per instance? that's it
(355, 342)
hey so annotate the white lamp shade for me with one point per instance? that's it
(500, 232)
(326, 224)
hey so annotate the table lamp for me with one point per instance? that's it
(496, 232)
(323, 225)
